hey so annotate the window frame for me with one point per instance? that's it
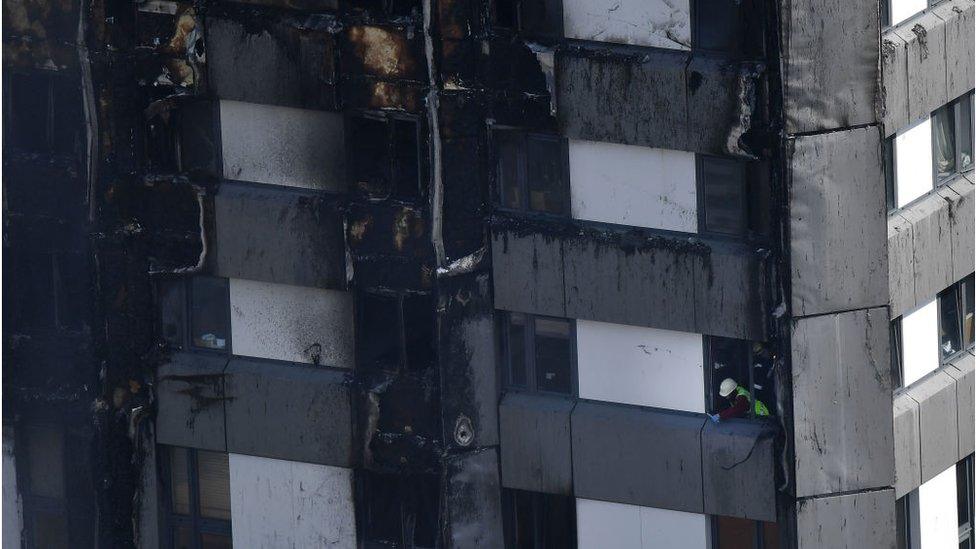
(897, 362)
(758, 533)
(363, 482)
(953, 112)
(540, 503)
(389, 119)
(404, 364)
(711, 393)
(185, 284)
(701, 188)
(31, 504)
(958, 291)
(197, 523)
(889, 161)
(523, 136)
(505, 365)
(964, 469)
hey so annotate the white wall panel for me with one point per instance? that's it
(278, 503)
(937, 512)
(607, 525)
(920, 342)
(633, 185)
(640, 366)
(282, 145)
(281, 322)
(903, 9)
(12, 518)
(913, 162)
(653, 23)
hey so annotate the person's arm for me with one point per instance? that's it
(738, 409)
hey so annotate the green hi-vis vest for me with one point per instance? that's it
(761, 409)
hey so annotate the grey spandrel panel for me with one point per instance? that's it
(831, 64)
(636, 99)
(618, 456)
(729, 282)
(938, 427)
(962, 371)
(852, 521)
(249, 66)
(838, 222)
(962, 227)
(842, 402)
(472, 498)
(960, 35)
(908, 465)
(536, 443)
(289, 411)
(932, 251)
(901, 265)
(925, 36)
(722, 98)
(527, 272)
(738, 469)
(895, 91)
(276, 235)
(190, 405)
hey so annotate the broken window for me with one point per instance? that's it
(749, 365)
(738, 533)
(952, 138)
(44, 112)
(43, 487)
(956, 318)
(396, 330)
(537, 352)
(733, 27)
(180, 136)
(530, 172)
(205, 301)
(196, 498)
(534, 520)
(385, 156)
(964, 502)
(398, 510)
(529, 17)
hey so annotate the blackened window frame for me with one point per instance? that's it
(701, 188)
(503, 324)
(185, 285)
(407, 493)
(390, 119)
(522, 137)
(713, 401)
(404, 355)
(197, 523)
(540, 502)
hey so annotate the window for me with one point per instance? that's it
(893, 12)
(385, 156)
(205, 301)
(44, 110)
(897, 365)
(538, 353)
(399, 511)
(538, 521)
(749, 364)
(396, 330)
(530, 172)
(952, 138)
(891, 188)
(956, 318)
(196, 492)
(732, 27)
(42, 469)
(903, 521)
(533, 17)
(738, 533)
(964, 502)
(732, 198)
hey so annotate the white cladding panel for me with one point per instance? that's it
(920, 342)
(913, 162)
(278, 503)
(282, 145)
(652, 23)
(632, 185)
(607, 525)
(903, 9)
(12, 518)
(282, 322)
(640, 366)
(937, 511)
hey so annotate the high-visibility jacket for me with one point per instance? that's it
(760, 408)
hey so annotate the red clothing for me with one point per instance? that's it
(738, 409)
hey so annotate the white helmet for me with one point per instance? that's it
(727, 387)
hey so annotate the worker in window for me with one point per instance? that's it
(739, 402)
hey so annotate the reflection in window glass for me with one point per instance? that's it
(179, 480)
(210, 311)
(547, 189)
(552, 355)
(172, 310)
(964, 132)
(214, 478)
(949, 340)
(968, 309)
(724, 183)
(943, 132)
(516, 349)
(510, 169)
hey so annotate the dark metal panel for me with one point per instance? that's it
(728, 293)
(289, 411)
(842, 402)
(738, 469)
(962, 370)
(960, 36)
(278, 235)
(722, 100)
(536, 447)
(938, 427)
(908, 465)
(831, 63)
(932, 253)
(925, 36)
(901, 265)
(894, 73)
(190, 406)
(527, 271)
(852, 521)
(962, 215)
(472, 500)
(838, 232)
(641, 456)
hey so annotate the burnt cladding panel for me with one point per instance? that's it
(729, 283)
(190, 393)
(535, 443)
(722, 103)
(528, 273)
(472, 506)
(738, 469)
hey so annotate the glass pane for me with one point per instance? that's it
(964, 127)
(943, 135)
(552, 358)
(45, 451)
(209, 312)
(524, 520)
(215, 541)
(968, 309)
(179, 480)
(370, 156)
(735, 533)
(544, 173)
(516, 349)
(172, 311)
(724, 189)
(406, 170)
(378, 339)
(895, 344)
(949, 341)
(418, 330)
(901, 522)
(50, 530)
(509, 171)
(888, 151)
(558, 521)
(183, 537)
(213, 476)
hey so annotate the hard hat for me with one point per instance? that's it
(727, 387)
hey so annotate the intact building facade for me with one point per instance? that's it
(471, 273)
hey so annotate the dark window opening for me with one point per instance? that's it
(750, 367)
(399, 511)
(903, 522)
(194, 312)
(505, 13)
(42, 477)
(956, 318)
(730, 26)
(538, 353)
(530, 172)
(44, 112)
(529, 17)
(738, 533)
(418, 331)
(396, 331)
(952, 138)
(733, 201)
(964, 502)
(538, 521)
(897, 364)
(891, 186)
(196, 498)
(385, 157)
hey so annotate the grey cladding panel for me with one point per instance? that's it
(190, 392)
(894, 71)
(962, 371)
(962, 215)
(852, 521)
(289, 411)
(721, 97)
(932, 255)
(925, 36)
(901, 265)
(938, 428)
(278, 235)
(908, 465)
(536, 443)
(528, 273)
(959, 28)
(831, 65)
(838, 222)
(472, 503)
(738, 469)
(728, 287)
(619, 455)
(842, 402)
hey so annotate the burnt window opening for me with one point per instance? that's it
(398, 511)
(41, 474)
(964, 502)
(396, 331)
(897, 364)
(390, 8)
(952, 138)
(733, 198)
(739, 533)
(956, 319)
(750, 365)
(891, 185)
(531, 172)
(534, 520)
(733, 27)
(43, 111)
(538, 353)
(196, 498)
(386, 157)
(194, 312)
(181, 137)
(529, 17)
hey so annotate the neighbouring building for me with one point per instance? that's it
(471, 273)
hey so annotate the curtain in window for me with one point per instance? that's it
(945, 154)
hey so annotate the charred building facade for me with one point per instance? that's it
(471, 273)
